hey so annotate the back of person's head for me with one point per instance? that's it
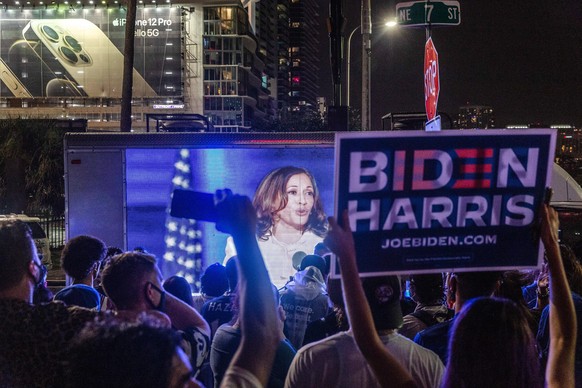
(572, 267)
(511, 286)
(82, 254)
(427, 288)
(492, 346)
(232, 273)
(124, 277)
(214, 282)
(383, 296)
(122, 354)
(112, 251)
(180, 288)
(315, 261)
(476, 284)
(320, 249)
(16, 253)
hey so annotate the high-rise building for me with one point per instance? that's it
(568, 140)
(476, 116)
(283, 60)
(270, 22)
(263, 18)
(304, 54)
(236, 83)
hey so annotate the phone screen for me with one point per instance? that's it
(194, 205)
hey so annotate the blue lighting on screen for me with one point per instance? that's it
(149, 174)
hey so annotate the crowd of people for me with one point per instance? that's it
(120, 324)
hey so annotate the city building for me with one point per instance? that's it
(236, 83)
(568, 140)
(65, 60)
(304, 54)
(476, 116)
(283, 55)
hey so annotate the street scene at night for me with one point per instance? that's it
(290, 193)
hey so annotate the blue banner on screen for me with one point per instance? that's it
(428, 202)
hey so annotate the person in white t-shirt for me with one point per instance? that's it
(290, 219)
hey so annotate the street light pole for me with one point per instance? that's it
(366, 64)
(390, 24)
(348, 65)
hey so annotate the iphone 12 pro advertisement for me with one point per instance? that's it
(79, 53)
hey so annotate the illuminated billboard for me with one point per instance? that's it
(79, 53)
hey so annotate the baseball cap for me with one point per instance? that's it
(383, 296)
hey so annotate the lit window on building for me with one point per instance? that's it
(264, 81)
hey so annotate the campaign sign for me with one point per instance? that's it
(443, 201)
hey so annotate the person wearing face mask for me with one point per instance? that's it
(33, 338)
(133, 283)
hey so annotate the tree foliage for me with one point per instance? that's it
(31, 166)
(308, 121)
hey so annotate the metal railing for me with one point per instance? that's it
(54, 227)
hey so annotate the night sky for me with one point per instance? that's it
(522, 58)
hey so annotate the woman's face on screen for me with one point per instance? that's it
(300, 198)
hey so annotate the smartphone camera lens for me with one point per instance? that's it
(84, 58)
(69, 54)
(50, 33)
(73, 43)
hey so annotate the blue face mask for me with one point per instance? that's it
(162, 305)
(42, 271)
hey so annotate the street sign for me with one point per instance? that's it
(431, 79)
(428, 13)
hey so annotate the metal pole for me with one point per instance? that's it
(348, 65)
(366, 68)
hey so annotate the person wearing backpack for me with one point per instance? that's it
(427, 290)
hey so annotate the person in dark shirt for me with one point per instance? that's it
(33, 338)
(227, 340)
(219, 310)
(463, 287)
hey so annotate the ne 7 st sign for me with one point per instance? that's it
(425, 13)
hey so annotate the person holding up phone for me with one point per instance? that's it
(252, 363)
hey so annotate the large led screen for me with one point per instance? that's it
(153, 174)
(78, 52)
